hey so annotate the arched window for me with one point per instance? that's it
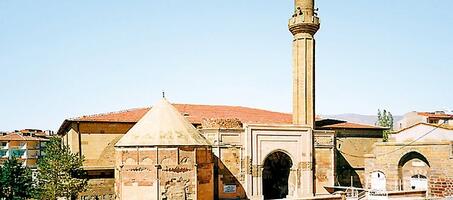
(130, 161)
(146, 161)
(378, 181)
(419, 182)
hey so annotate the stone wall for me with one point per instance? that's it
(352, 146)
(164, 173)
(99, 149)
(230, 164)
(230, 173)
(97, 141)
(71, 138)
(390, 158)
(102, 189)
(324, 159)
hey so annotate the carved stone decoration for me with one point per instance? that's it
(185, 160)
(176, 169)
(298, 178)
(176, 189)
(130, 161)
(256, 170)
(248, 165)
(221, 123)
(146, 161)
(323, 141)
(137, 169)
(306, 166)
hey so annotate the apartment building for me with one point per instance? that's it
(26, 145)
(413, 118)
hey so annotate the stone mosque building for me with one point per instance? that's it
(181, 151)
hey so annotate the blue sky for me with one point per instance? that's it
(60, 59)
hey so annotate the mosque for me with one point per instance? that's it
(182, 151)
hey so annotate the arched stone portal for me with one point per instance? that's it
(276, 172)
(270, 148)
(412, 167)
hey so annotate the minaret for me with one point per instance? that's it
(303, 25)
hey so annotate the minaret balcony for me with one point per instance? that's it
(303, 24)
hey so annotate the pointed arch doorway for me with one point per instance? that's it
(276, 170)
(413, 169)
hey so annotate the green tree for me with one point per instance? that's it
(385, 119)
(60, 172)
(16, 181)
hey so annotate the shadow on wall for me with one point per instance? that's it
(226, 185)
(345, 171)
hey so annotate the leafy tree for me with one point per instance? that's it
(385, 119)
(60, 172)
(16, 181)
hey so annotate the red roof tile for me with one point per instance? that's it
(435, 115)
(18, 137)
(196, 114)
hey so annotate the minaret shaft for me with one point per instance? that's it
(304, 80)
(303, 25)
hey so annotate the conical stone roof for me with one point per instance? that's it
(163, 125)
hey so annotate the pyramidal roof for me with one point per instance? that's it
(163, 125)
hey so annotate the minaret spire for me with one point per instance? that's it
(303, 25)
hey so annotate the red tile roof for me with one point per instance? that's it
(196, 113)
(19, 137)
(435, 115)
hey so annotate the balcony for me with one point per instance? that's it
(302, 19)
(18, 153)
(4, 153)
(303, 24)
